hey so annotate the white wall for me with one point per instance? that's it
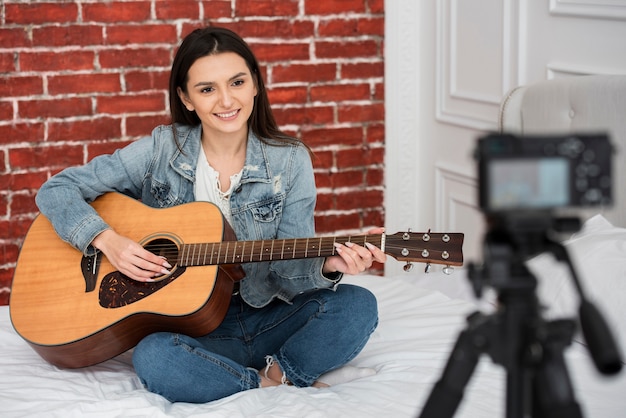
(448, 65)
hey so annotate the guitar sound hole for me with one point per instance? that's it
(164, 248)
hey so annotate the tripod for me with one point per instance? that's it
(515, 336)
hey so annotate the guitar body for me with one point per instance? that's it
(75, 318)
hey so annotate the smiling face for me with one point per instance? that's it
(221, 90)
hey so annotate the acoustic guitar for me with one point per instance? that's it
(77, 310)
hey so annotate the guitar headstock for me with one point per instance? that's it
(426, 247)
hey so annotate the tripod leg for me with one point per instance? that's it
(553, 392)
(447, 393)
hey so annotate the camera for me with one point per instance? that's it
(543, 172)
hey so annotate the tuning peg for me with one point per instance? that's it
(428, 268)
(448, 270)
(408, 266)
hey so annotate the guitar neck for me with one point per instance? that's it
(234, 252)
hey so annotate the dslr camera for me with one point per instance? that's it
(541, 173)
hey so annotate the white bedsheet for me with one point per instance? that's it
(408, 351)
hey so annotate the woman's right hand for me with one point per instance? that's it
(130, 258)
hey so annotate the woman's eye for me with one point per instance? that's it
(238, 82)
(206, 90)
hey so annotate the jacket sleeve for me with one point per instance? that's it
(64, 199)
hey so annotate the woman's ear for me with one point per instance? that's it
(185, 99)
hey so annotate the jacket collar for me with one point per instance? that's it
(256, 167)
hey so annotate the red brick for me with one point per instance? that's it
(379, 92)
(115, 12)
(56, 108)
(286, 95)
(91, 129)
(340, 92)
(305, 115)
(362, 113)
(84, 83)
(23, 181)
(14, 37)
(16, 86)
(347, 178)
(316, 137)
(4, 208)
(360, 157)
(18, 226)
(266, 8)
(362, 70)
(359, 199)
(143, 125)
(217, 8)
(286, 29)
(23, 203)
(375, 177)
(8, 254)
(375, 133)
(322, 159)
(303, 72)
(21, 132)
(131, 103)
(5, 295)
(322, 179)
(6, 274)
(56, 61)
(141, 34)
(325, 224)
(7, 62)
(36, 13)
(346, 49)
(177, 9)
(352, 27)
(376, 6)
(46, 156)
(6, 111)
(67, 35)
(317, 7)
(135, 58)
(146, 80)
(280, 52)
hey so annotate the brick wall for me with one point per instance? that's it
(81, 78)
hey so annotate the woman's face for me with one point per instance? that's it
(221, 90)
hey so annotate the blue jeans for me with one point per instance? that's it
(318, 332)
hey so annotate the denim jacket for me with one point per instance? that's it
(275, 199)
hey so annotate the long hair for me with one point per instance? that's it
(215, 40)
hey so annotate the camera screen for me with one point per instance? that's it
(529, 183)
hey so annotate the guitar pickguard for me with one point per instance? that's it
(117, 289)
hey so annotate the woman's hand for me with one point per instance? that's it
(353, 258)
(130, 258)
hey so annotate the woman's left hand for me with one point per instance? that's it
(354, 258)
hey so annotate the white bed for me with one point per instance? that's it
(420, 318)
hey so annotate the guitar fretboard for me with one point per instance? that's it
(234, 252)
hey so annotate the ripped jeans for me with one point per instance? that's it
(318, 332)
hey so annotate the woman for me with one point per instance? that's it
(290, 321)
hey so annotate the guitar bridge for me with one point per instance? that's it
(89, 266)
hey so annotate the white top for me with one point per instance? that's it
(208, 187)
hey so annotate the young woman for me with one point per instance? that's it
(290, 321)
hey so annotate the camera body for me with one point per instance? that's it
(541, 173)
